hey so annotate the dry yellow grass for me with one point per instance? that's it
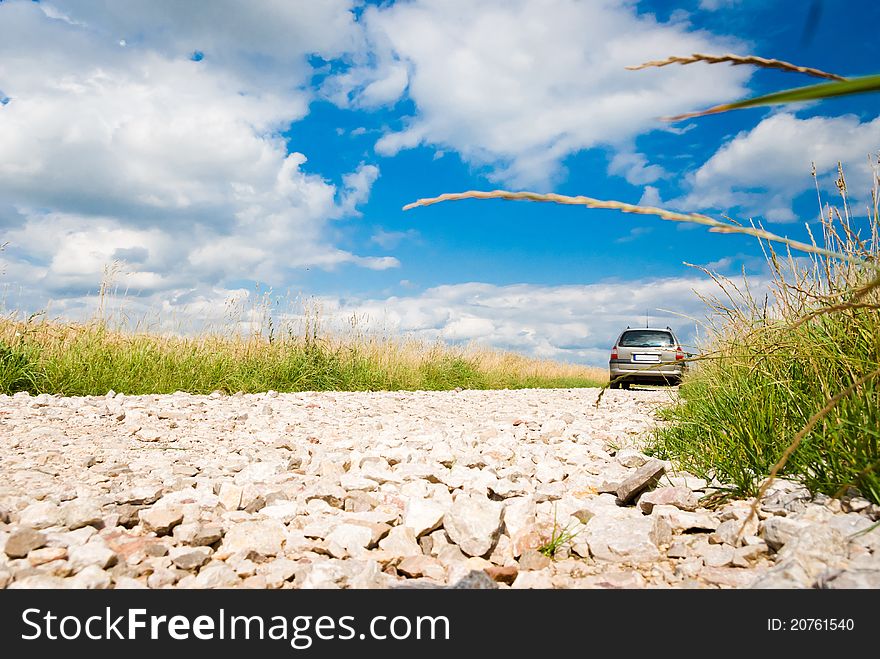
(714, 225)
(737, 60)
(92, 358)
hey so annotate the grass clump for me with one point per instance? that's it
(559, 537)
(18, 367)
(790, 383)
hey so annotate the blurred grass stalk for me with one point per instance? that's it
(251, 352)
(839, 86)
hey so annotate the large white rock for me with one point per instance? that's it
(279, 571)
(681, 520)
(265, 537)
(141, 495)
(620, 537)
(46, 555)
(400, 542)
(355, 482)
(92, 553)
(41, 515)
(778, 531)
(161, 519)
(423, 515)
(23, 541)
(421, 566)
(519, 514)
(680, 497)
(283, 511)
(630, 457)
(82, 512)
(91, 577)
(230, 495)
(216, 575)
(533, 579)
(474, 523)
(348, 540)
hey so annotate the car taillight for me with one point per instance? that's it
(679, 354)
(614, 352)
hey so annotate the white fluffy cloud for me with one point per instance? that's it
(518, 85)
(262, 42)
(116, 145)
(761, 170)
(570, 323)
(634, 168)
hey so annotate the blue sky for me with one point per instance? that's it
(201, 150)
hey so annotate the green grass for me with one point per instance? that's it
(797, 378)
(91, 359)
(18, 367)
(559, 537)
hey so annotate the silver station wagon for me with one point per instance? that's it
(646, 356)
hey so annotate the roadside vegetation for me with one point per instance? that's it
(92, 358)
(789, 383)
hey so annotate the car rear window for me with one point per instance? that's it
(645, 339)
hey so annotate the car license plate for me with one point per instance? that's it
(646, 358)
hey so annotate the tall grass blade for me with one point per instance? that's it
(863, 85)
(737, 60)
(694, 218)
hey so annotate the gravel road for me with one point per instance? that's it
(390, 489)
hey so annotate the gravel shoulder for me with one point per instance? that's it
(390, 489)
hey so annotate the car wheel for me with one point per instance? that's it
(614, 385)
(624, 385)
